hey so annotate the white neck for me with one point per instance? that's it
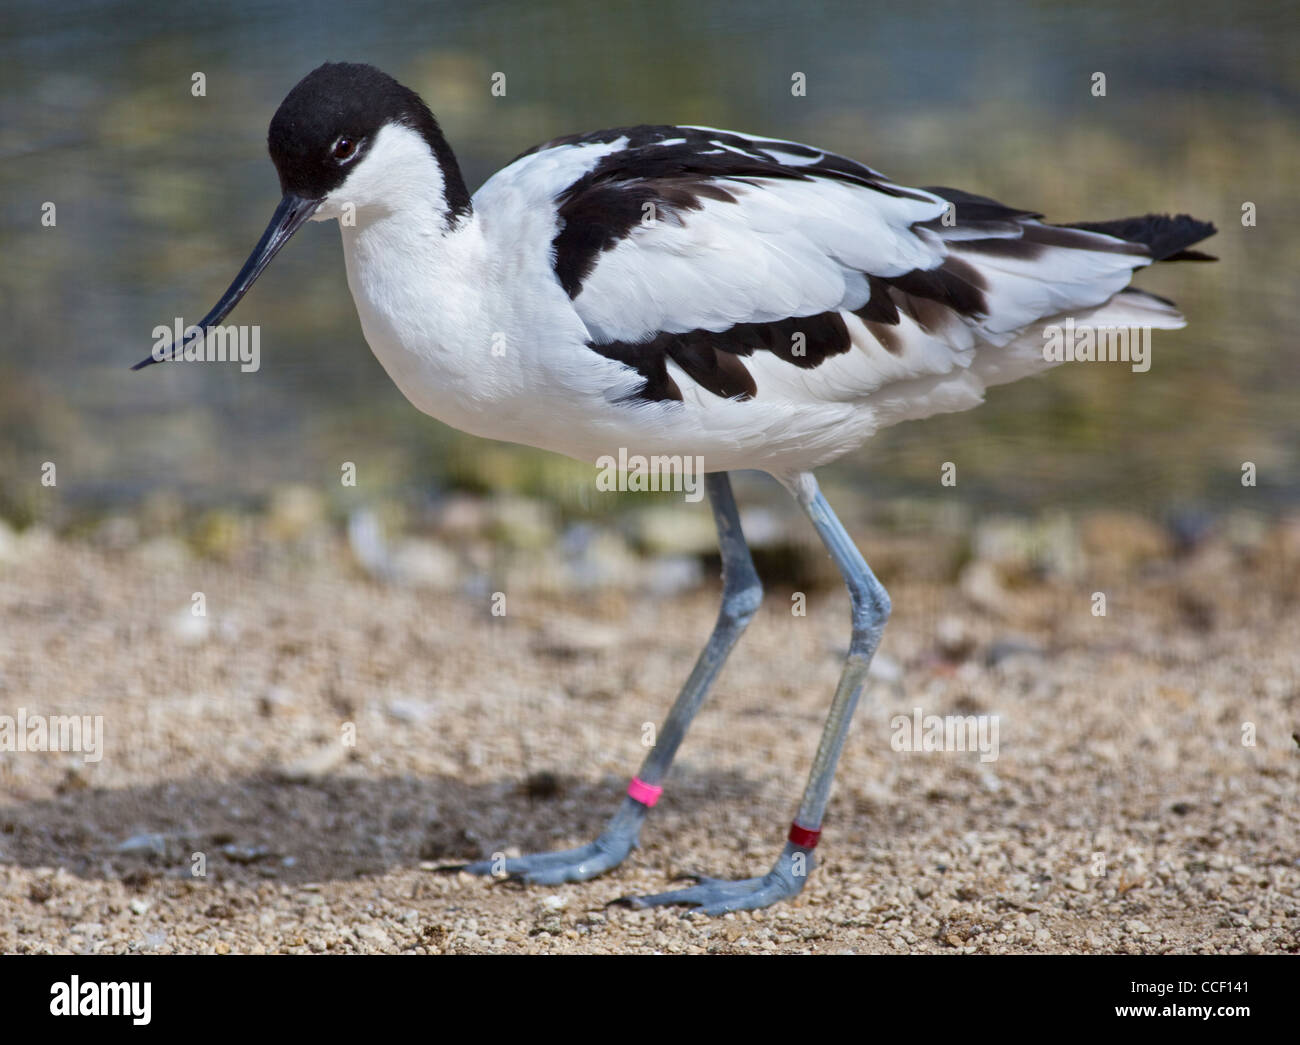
(465, 315)
(427, 300)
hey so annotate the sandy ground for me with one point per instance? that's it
(1121, 752)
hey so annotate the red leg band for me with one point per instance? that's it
(803, 837)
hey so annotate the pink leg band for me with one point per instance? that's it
(803, 837)
(646, 794)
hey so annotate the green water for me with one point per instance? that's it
(159, 196)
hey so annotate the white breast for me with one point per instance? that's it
(477, 333)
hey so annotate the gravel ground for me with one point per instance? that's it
(1120, 751)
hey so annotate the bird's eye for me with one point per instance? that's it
(344, 148)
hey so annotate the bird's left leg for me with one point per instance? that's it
(870, 606)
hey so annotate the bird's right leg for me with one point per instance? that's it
(741, 594)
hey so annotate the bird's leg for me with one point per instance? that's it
(741, 594)
(870, 606)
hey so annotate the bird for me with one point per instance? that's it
(738, 301)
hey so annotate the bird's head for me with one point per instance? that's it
(349, 142)
(350, 134)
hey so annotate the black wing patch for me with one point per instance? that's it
(596, 217)
(598, 210)
(712, 359)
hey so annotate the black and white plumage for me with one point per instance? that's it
(664, 290)
(794, 300)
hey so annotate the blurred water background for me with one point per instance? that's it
(160, 195)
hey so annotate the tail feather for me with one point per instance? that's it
(1167, 238)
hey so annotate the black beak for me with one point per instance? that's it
(289, 216)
